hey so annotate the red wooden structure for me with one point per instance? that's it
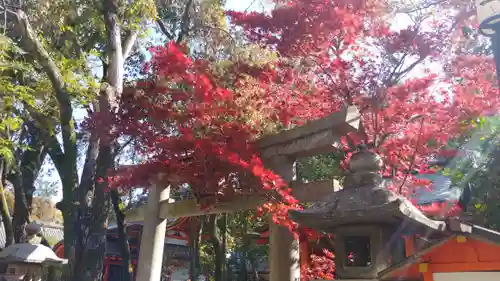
(176, 252)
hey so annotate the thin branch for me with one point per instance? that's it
(414, 156)
(399, 64)
(348, 100)
(22, 136)
(164, 30)
(53, 145)
(122, 147)
(205, 26)
(423, 7)
(409, 68)
(91, 42)
(55, 152)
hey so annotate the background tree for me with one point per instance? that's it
(44, 209)
(22, 151)
(80, 28)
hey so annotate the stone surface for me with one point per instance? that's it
(365, 160)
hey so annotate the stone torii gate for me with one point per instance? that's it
(279, 152)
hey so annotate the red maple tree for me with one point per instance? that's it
(191, 130)
(190, 127)
(345, 53)
(353, 57)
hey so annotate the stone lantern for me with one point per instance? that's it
(366, 219)
(25, 261)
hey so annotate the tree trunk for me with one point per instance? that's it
(109, 98)
(92, 257)
(24, 177)
(51, 273)
(194, 245)
(64, 158)
(6, 220)
(223, 234)
(244, 253)
(122, 236)
(217, 242)
(21, 210)
(32, 162)
(84, 227)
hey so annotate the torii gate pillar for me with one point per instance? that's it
(153, 236)
(279, 153)
(283, 247)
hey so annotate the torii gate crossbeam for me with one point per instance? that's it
(279, 152)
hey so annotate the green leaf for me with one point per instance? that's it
(466, 31)
(7, 154)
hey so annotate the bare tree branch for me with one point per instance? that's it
(123, 146)
(129, 43)
(424, 6)
(205, 26)
(164, 30)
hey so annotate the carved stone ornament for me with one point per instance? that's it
(364, 169)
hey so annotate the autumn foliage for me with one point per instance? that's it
(192, 123)
(192, 131)
(320, 267)
(344, 53)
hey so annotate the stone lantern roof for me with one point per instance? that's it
(30, 254)
(364, 199)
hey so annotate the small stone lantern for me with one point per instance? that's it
(364, 217)
(25, 261)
